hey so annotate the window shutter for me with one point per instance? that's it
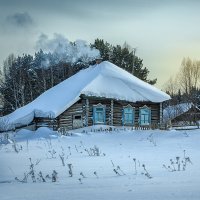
(139, 121)
(149, 116)
(93, 115)
(133, 115)
(104, 110)
(122, 116)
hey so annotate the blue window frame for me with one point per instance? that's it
(128, 115)
(99, 114)
(145, 116)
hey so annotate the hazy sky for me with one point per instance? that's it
(163, 31)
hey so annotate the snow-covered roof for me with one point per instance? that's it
(174, 111)
(100, 80)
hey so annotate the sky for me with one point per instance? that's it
(162, 31)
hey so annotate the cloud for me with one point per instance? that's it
(21, 20)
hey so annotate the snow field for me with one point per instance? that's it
(152, 148)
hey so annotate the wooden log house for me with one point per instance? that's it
(103, 94)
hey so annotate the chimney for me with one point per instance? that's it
(98, 60)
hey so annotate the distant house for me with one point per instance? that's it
(181, 114)
(102, 94)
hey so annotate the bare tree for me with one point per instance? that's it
(189, 75)
(171, 86)
(185, 85)
(196, 66)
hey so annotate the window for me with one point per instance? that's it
(128, 115)
(78, 117)
(99, 114)
(145, 116)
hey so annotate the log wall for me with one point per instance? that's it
(114, 109)
(66, 118)
(45, 122)
(118, 108)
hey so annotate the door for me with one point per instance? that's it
(77, 121)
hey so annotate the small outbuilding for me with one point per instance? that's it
(102, 94)
(183, 114)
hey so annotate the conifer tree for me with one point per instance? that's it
(124, 57)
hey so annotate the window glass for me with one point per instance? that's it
(99, 115)
(99, 109)
(77, 117)
(128, 115)
(145, 116)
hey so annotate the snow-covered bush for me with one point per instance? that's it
(145, 172)
(82, 175)
(62, 158)
(135, 166)
(64, 131)
(54, 176)
(5, 125)
(177, 164)
(15, 146)
(70, 169)
(151, 139)
(95, 151)
(32, 173)
(51, 154)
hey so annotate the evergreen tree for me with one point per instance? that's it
(124, 57)
(104, 47)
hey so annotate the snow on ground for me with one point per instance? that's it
(153, 148)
